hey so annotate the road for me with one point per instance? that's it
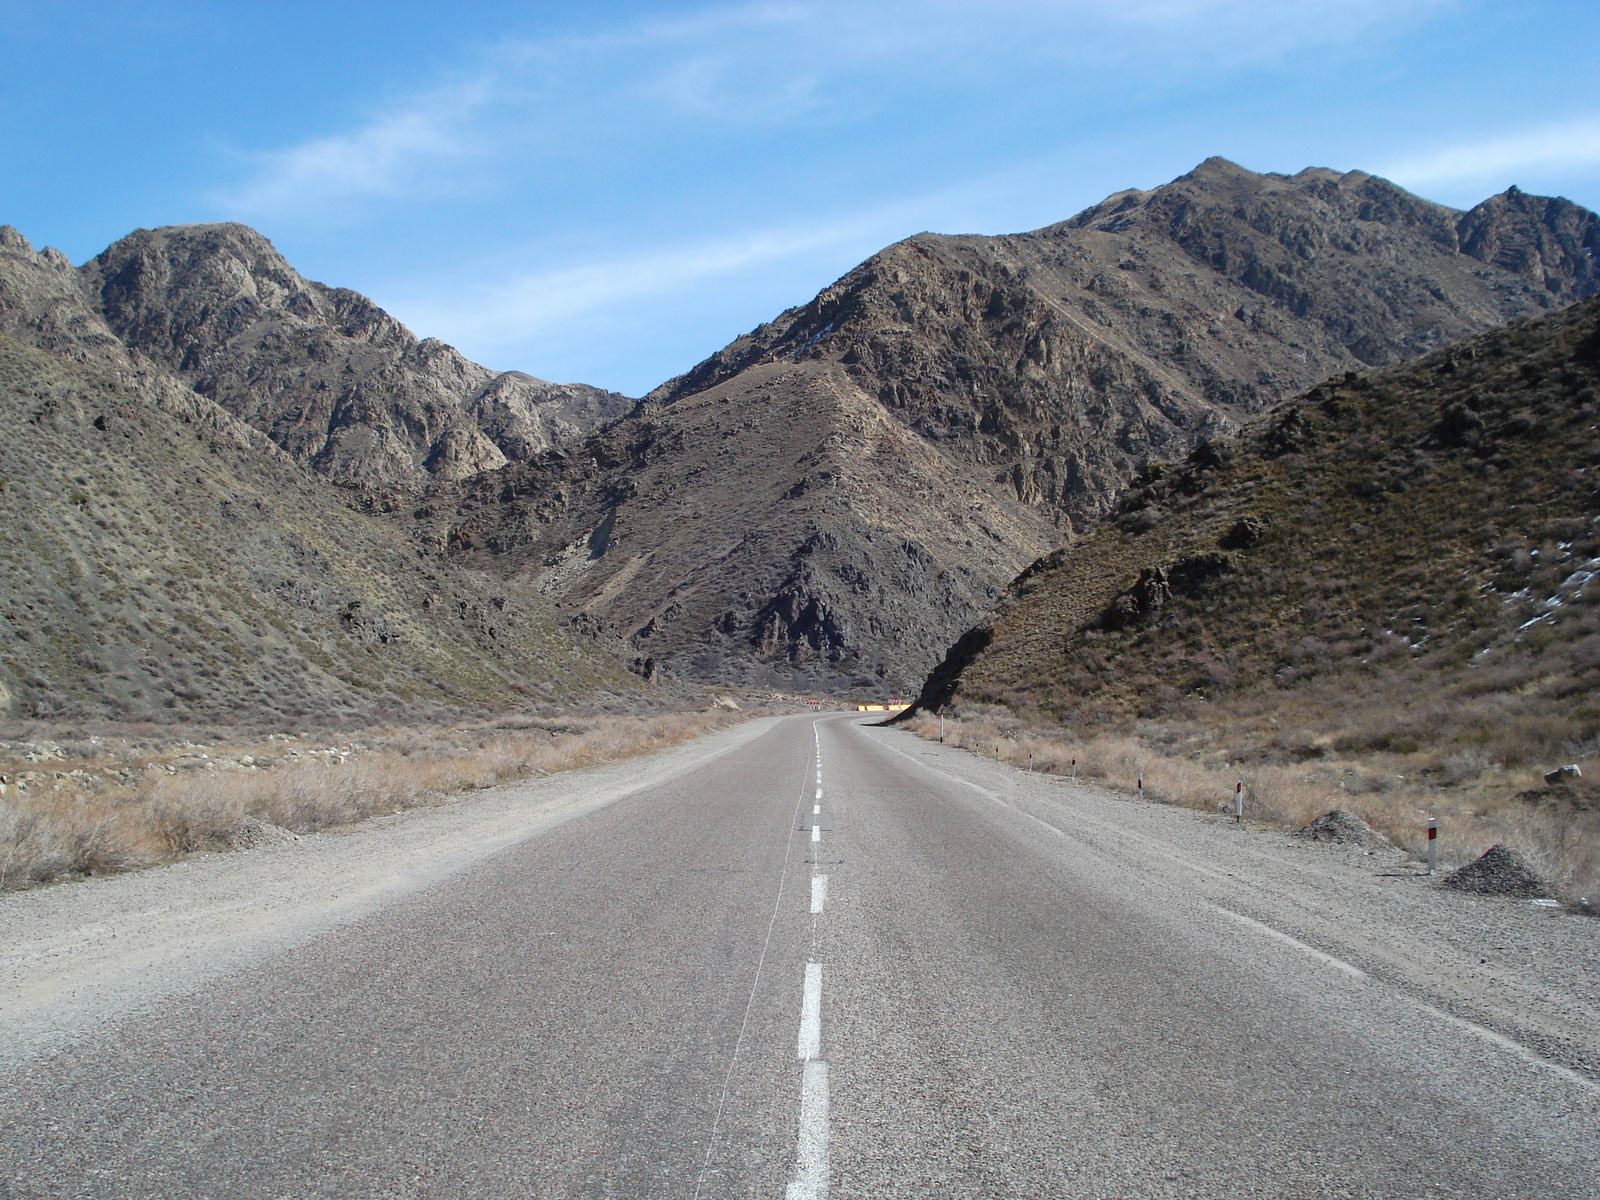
(965, 982)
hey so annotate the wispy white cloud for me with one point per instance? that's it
(526, 305)
(1559, 146)
(399, 152)
(510, 308)
(762, 65)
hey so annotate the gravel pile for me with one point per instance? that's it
(251, 834)
(1345, 828)
(1500, 872)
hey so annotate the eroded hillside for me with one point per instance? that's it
(163, 560)
(1396, 561)
(831, 498)
(327, 374)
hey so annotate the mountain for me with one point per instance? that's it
(328, 375)
(165, 561)
(832, 497)
(1396, 560)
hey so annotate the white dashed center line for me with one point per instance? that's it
(811, 1163)
(811, 1014)
(810, 1178)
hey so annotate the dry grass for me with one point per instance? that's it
(1564, 844)
(85, 817)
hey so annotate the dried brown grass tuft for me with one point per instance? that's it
(60, 832)
(91, 823)
(1563, 843)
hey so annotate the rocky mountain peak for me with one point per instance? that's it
(326, 373)
(41, 305)
(1550, 242)
(177, 292)
(957, 405)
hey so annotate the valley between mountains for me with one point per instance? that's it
(824, 505)
(1193, 468)
(1274, 499)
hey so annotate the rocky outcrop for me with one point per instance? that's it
(1549, 242)
(165, 562)
(333, 379)
(42, 305)
(839, 493)
(1337, 580)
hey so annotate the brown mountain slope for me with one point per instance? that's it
(327, 374)
(807, 536)
(839, 492)
(1393, 561)
(1053, 362)
(164, 561)
(172, 565)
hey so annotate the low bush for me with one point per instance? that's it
(92, 822)
(1561, 840)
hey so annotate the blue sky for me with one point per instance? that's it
(608, 192)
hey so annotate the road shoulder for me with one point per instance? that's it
(74, 956)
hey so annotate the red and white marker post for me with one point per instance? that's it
(1433, 844)
(1238, 802)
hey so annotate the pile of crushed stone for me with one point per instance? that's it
(251, 834)
(1344, 827)
(1500, 872)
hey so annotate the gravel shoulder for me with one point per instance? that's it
(1502, 967)
(75, 956)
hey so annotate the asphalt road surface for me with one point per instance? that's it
(832, 961)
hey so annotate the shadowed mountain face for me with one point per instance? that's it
(1395, 560)
(330, 377)
(831, 499)
(164, 561)
(835, 496)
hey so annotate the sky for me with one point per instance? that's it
(609, 192)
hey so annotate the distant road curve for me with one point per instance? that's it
(805, 958)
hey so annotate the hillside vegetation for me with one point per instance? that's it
(90, 803)
(163, 562)
(1394, 564)
(836, 494)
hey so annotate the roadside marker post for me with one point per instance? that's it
(941, 729)
(1074, 770)
(1238, 802)
(1433, 844)
(1138, 792)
